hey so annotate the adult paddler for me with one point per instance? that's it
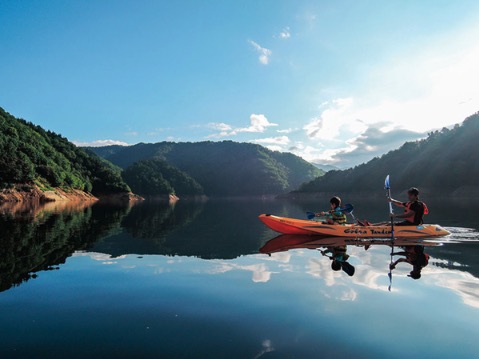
(414, 209)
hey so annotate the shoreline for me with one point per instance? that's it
(26, 193)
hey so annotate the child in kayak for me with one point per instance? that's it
(415, 256)
(334, 215)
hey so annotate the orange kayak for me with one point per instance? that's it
(286, 225)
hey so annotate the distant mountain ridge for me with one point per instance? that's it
(447, 161)
(326, 168)
(156, 177)
(221, 168)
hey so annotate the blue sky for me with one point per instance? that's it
(334, 82)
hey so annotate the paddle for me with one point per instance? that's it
(348, 208)
(348, 268)
(387, 186)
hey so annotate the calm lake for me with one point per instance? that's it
(209, 280)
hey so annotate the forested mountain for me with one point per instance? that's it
(156, 177)
(444, 162)
(31, 155)
(221, 168)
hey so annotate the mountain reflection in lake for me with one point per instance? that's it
(208, 280)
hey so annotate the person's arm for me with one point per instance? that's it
(396, 202)
(393, 265)
(407, 214)
(323, 213)
(326, 251)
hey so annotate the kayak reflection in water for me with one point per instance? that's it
(415, 256)
(334, 215)
(339, 259)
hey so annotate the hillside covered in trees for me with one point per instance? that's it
(445, 162)
(214, 168)
(31, 155)
(156, 177)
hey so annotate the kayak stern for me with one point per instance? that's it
(282, 225)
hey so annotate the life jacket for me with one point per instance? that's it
(338, 217)
(339, 253)
(422, 260)
(426, 259)
(425, 210)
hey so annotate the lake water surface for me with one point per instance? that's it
(209, 280)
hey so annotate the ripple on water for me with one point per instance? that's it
(461, 234)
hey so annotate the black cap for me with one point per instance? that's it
(413, 190)
(414, 274)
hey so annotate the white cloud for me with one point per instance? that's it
(102, 257)
(285, 34)
(376, 140)
(280, 140)
(336, 119)
(100, 143)
(225, 129)
(220, 126)
(405, 99)
(258, 124)
(275, 148)
(373, 143)
(264, 53)
(349, 295)
(435, 88)
(355, 131)
(261, 273)
(308, 152)
(286, 131)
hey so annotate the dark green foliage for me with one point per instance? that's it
(445, 161)
(157, 177)
(31, 154)
(30, 245)
(222, 168)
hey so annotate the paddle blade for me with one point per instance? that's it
(386, 183)
(348, 208)
(310, 215)
(390, 275)
(348, 268)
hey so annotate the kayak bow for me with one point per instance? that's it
(286, 225)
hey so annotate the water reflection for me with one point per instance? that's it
(142, 281)
(38, 237)
(339, 259)
(370, 259)
(413, 255)
(41, 237)
(153, 220)
(211, 230)
(336, 249)
(31, 210)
